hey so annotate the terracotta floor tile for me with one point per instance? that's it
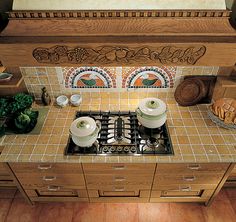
(121, 212)
(7, 193)
(89, 212)
(21, 211)
(59, 212)
(220, 210)
(5, 205)
(153, 212)
(186, 212)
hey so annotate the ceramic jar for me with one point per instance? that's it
(151, 112)
(84, 131)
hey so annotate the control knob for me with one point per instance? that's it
(119, 149)
(133, 149)
(105, 149)
(126, 149)
(113, 149)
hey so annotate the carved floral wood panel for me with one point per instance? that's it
(116, 55)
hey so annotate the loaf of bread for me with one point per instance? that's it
(225, 109)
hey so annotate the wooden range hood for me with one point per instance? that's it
(132, 37)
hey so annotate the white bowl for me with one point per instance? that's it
(76, 99)
(62, 101)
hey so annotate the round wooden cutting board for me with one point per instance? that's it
(190, 92)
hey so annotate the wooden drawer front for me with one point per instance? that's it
(6, 180)
(196, 195)
(126, 193)
(57, 193)
(3, 169)
(233, 172)
(119, 168)
(58, 168)
(186, 179)
(117, 188)
(119, 196)
(187, 187)
(95, 181)
(190, 168)
(231, 180)
(32, 180)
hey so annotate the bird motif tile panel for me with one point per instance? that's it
(148, 77)
(89, 77)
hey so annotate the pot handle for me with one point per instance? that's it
(99, 126)
(138, 112)
(70, 132)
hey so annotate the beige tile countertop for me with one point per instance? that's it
(194, 136)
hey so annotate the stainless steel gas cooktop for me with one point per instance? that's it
(122, 134)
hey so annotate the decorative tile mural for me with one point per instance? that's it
(91, 81)
(148, 77)
(88, 77)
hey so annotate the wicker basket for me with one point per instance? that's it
(218, 121)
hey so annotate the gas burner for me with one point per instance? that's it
(84, 150)
(147, 133)
(152, 142)
(121, 134)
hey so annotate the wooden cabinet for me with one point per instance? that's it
(14, 85)
(231, 180)
(186, 182)
(119, 182)
(116, 182)
(6, 177)
(51, 182)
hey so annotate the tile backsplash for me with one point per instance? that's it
(89, 80)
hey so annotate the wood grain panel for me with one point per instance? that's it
(197, 196)
(191, 168)
(117, 26)
(56, 168)
(187, 179)
(219, 54)
(95, 181)
(31, 180)
(120, 168)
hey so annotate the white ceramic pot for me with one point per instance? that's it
(84, 131)
(62, 101)
(76, 99)
(151, 112)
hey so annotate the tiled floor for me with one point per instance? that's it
(13, 208)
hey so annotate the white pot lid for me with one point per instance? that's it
(83, 126)
(152, 106)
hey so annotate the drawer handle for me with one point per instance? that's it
(44, 167)
(194, 167)
(191, 178)
(185, 189)
(119, 189)
(119, 179)
(53, 188)
(118, 167)
(49, 178)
